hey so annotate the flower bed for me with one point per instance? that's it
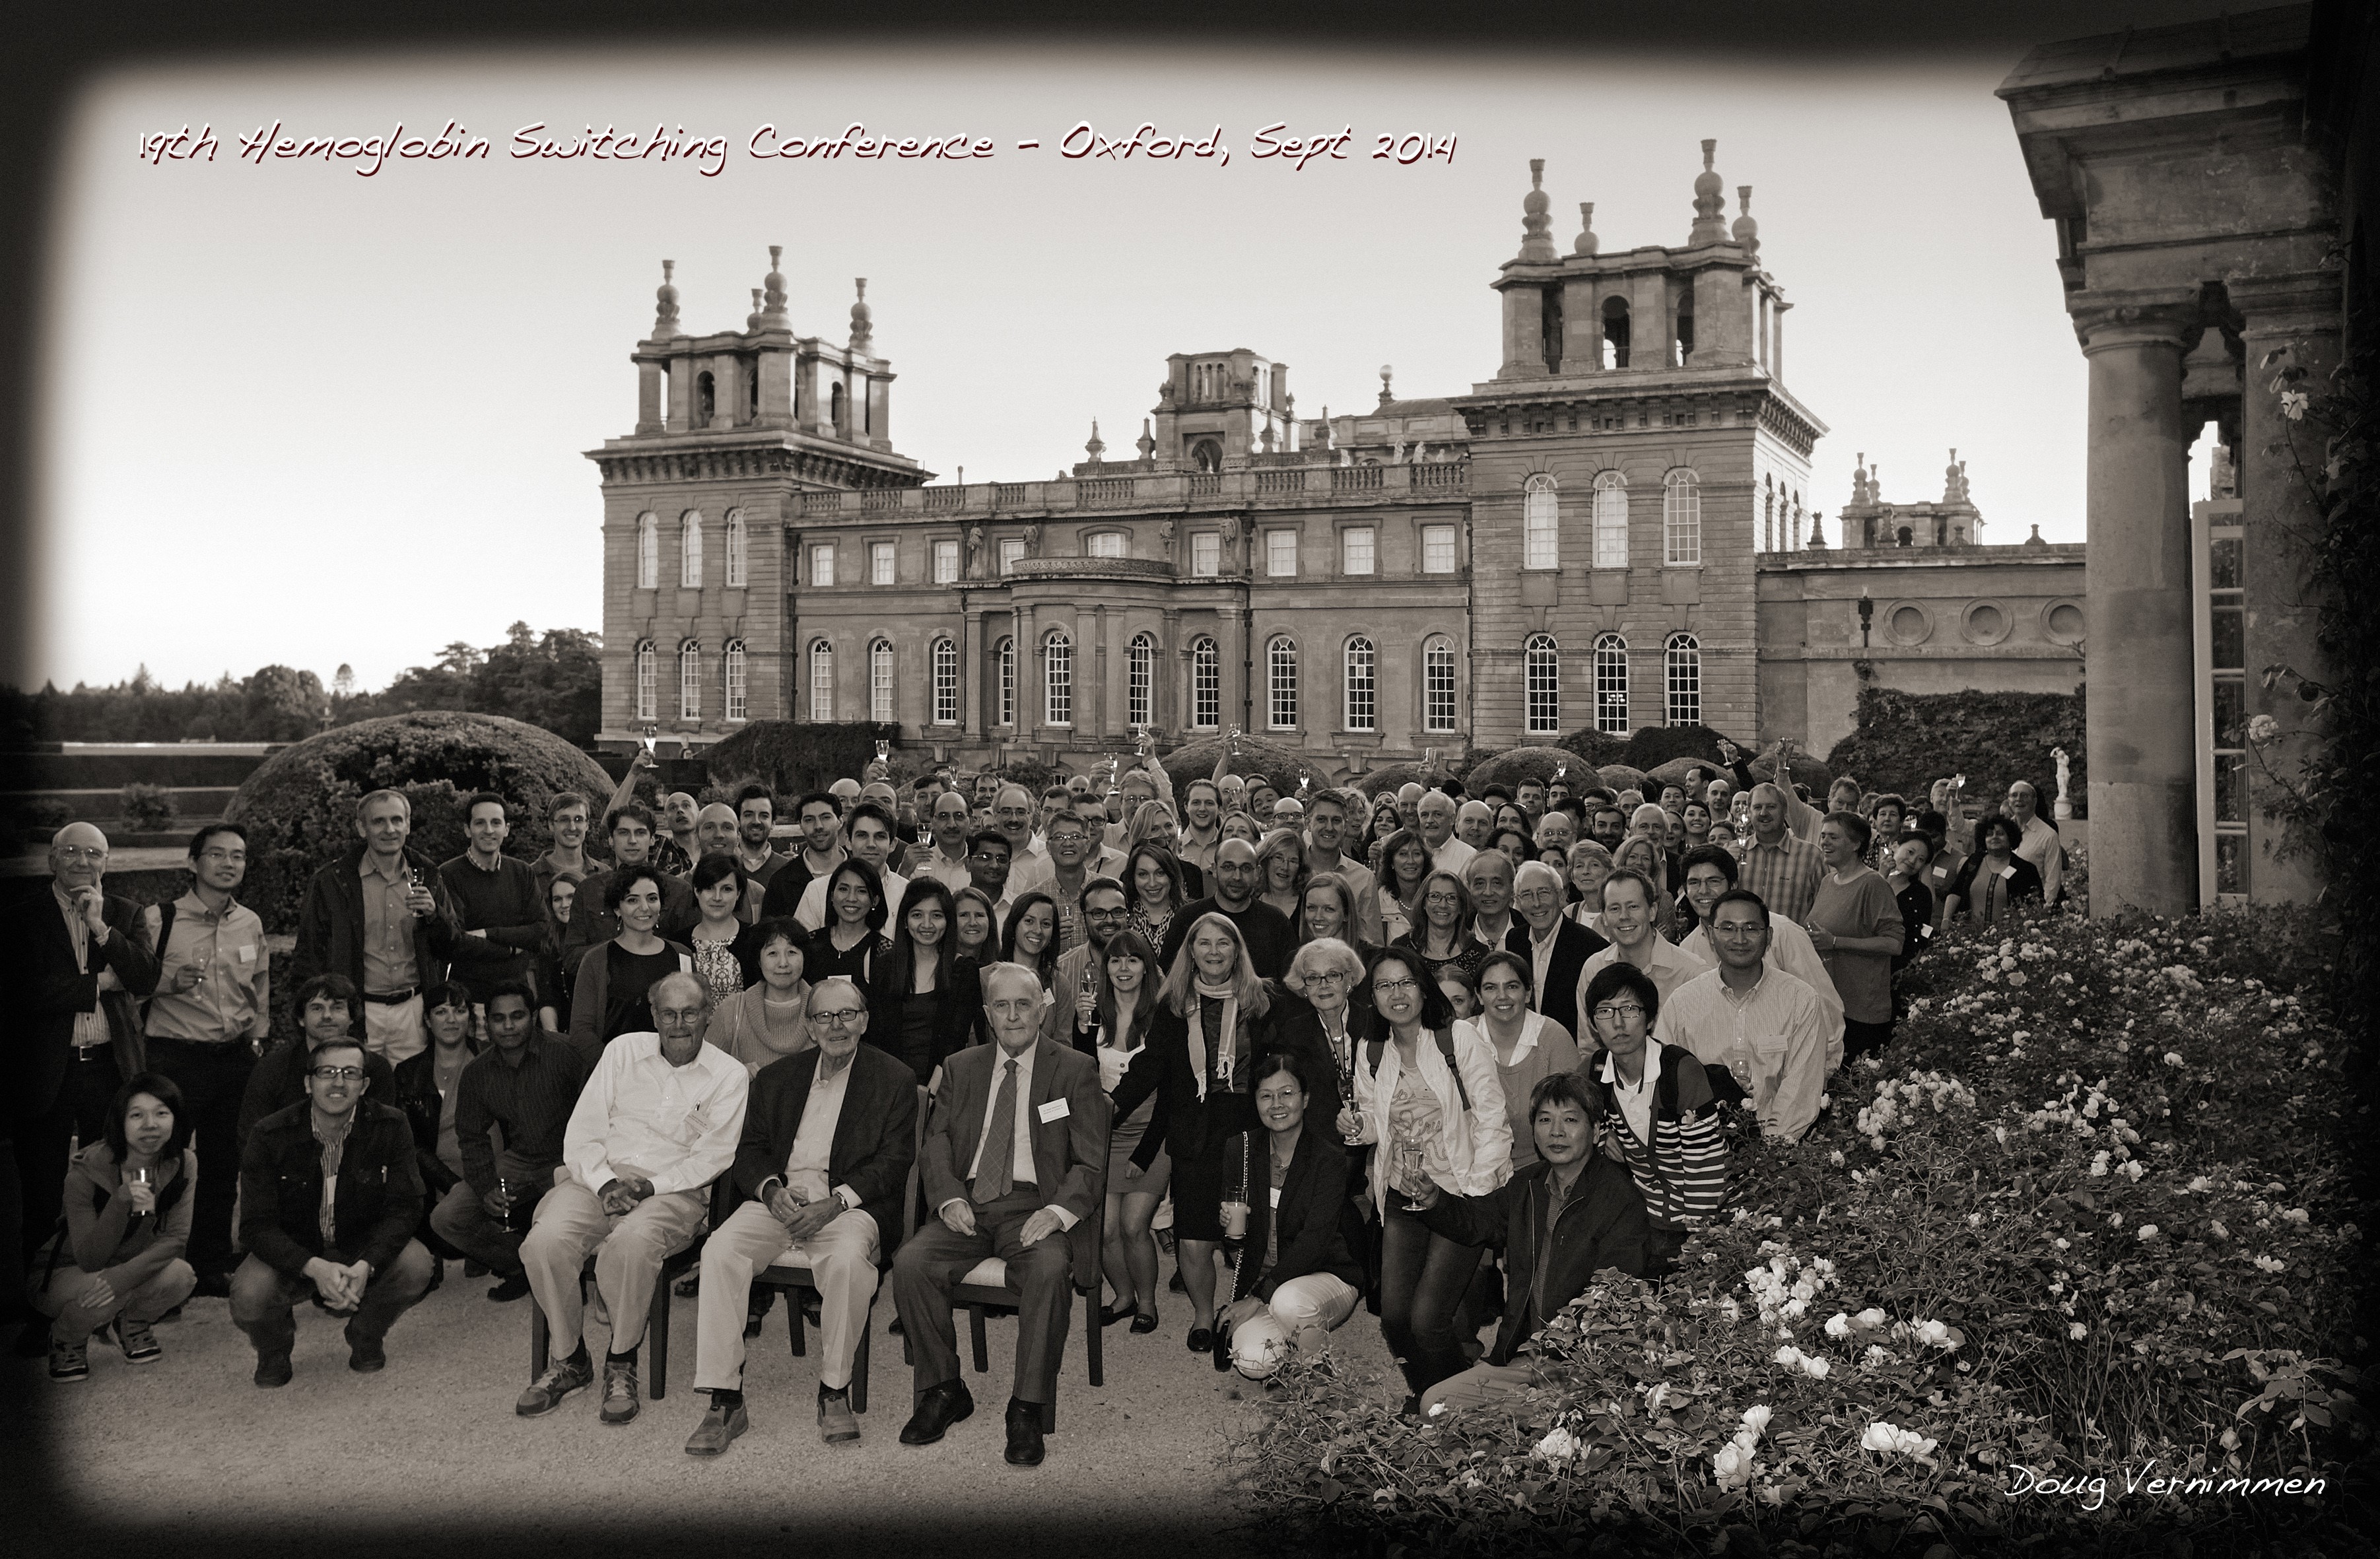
(2085, 1219)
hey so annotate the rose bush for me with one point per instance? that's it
(2087, 1213)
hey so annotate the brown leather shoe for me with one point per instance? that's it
(838, 1425)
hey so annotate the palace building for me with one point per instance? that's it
(1615, 530)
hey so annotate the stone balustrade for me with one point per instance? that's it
(1253, 487)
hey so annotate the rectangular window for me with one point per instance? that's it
(880, 563)
(1111, 544)
(1011, 551)
(1438, 687)
(1355, 549)
(946, 562)
(1206, 685)
(1205, 554)
(946, 682)
(738, 698)
(1438, 548)
(822, 564)
(1280, 554)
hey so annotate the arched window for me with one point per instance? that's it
(1682, 519)
(1007, 654)
(689, 551)
(1362, 688)
(1610, 520)
(1437, 685)
(705, 399)
(1058, 679)
(1140, 676)
(1281, 683)
(689, 680)
(1684, 666)
(732, 680)
(647, 682)
(879, 682)
(1611, 685)
(1767, 515)
(738, 551)
(649, 552)
(1685, 337)
(821, 682)
(1540, 523)
(946, 682)
(835, 408)
(1543, 684)
(1206, 456)
(1615, 332)
(1206, 684)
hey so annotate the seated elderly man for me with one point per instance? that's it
(1758, 1031)
(1559, 1222)
(829, 1136)
(657, 1122)
(1017, 1152)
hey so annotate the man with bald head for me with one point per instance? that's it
(1782, 868)
(1434, 817)
(1018, 1150)
(657, 1122)
(945, 859)
(72, 961)
(1474, 821)
(1236, 882)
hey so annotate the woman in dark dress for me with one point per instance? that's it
(609, 999)
(1297, 1279)
(923, 1001)
(853, 939)
(1995, 878)
(1907, 880)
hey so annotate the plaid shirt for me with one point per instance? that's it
(335, 1147)
(1785, 875)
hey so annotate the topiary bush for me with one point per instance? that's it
(1394, 776)
(1511, 766)
(1906, 741)
(301, 805)
(794, 757)
(1655, 745)
(1622, 776)
(147, 807)
(1283, 766)
(1596, 747)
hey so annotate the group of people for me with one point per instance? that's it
(1444, 1056)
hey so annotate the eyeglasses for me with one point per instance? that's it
(840, 1016)
(220, 856)
(82, 853)
(338, 1074)
(1117, 913)
(1619, 1012)
(1328, 977)
(1394, 987)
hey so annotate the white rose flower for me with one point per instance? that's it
(2076, 1331)
(2146, 1231)
(1839, 1326)
(1814, 1368)
(1869, 1320)
(1756, 1419)
(1557, 1446)
(1880, 1437)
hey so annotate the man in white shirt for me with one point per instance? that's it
(829, 1136)
(1627, 922)
(946, 862)
(1710, 872)
(868, 833)
(655, 1125)
(1012, 813)
(1436, 812)
(1202, 808)
(2040, 842)
(1326, 837)
(1070, 856)
(1751, 1019)
(1018, 1150)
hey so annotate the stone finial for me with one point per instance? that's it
(752, 321)
(1537, 228)
(1817, 530)
(1329, 434)
(1587, 243)
(1095, 448)
(1954, 480)
(772, 289)
(1710, 202)
(1147, 444)
(1860, 493)
(1746, 230)
(1386, 372)
(862, 320)
(665, 303)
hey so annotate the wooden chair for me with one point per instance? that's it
(657, 1314)
(794, 1280)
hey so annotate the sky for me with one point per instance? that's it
(294, 414)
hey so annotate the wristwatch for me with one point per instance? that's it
(843, 1204)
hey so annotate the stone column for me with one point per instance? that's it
(1166, 709)
(1032, 709)
(972, 720)
(2138, 668)
(1777, 340)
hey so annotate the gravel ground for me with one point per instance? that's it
(431, 1449)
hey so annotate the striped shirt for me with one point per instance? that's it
(1681, 1172)
(1785, 875)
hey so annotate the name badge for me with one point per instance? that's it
(1276, 1197)
(248, 953)
(1056, 1109)
(2008, 871)
(1941, 872)
(1926, 931)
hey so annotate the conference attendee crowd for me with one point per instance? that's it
(1436, 1055)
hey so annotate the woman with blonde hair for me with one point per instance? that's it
(1441, 937)
(1281, 871)
(1588, 869)
(1154, 826)
(1645, 856)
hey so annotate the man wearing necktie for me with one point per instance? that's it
(1017, 1155)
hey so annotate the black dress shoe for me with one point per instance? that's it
(1110, 1315)
(1201, 1340)
(1145, 1323)
(937, 1410)
(511, 1289)
(1024, 1433)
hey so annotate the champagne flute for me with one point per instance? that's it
(1410, 1170)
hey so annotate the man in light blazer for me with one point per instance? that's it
(1016, 1156)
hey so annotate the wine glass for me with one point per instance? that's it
(1411, 1173)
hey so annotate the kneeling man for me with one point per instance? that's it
(829, 1136)
(657, 1122)
(1017, 1155)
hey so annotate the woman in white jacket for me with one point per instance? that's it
(1428, 1096)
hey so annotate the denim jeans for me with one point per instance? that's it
(1423, 1279)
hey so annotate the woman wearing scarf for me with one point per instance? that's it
(768, 1019)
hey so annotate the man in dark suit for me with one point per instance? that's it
(1556, 946)
(1017, 1154)
(829, 1136)
(64, 954)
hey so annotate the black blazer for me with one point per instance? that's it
(416, 1092)
(1194, 1129)
(875, 1135)
(46, 988)
(1313, 1201)
(1574, 945)
(1603, 1225)
(1293, 1026)
(958, 1014)
(380, 1196)
(331, 924)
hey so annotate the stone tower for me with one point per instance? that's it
(1635, 449)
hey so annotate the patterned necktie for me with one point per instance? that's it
(995, 1176)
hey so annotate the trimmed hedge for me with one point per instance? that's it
(169, 766)
(1906, 741)
(1283, 766)
(1511, 766)
(1594, 747)
(300, 806)
(794, 757)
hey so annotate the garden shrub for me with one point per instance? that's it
(1622, 776)
(1904, 741)
(1516, 763)
(300, 806)
(148, 808)
(1596, 747)
(1284, 767)
(1655, 745)
(2088, 1213)
(1392, 777)
(793, 757)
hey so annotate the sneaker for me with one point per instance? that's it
(273, 1368)
(511, 1289)
(140, 1343)
(837, 1425)
(70, 1362)
(718, 1429)
(545, 1394)
(619, 1391)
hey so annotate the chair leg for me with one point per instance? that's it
(974, 1330)
(1094, 1336)
(794, 1328)
(859, 1361)
(656, 1329)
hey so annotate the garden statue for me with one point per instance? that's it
(2064, 807)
